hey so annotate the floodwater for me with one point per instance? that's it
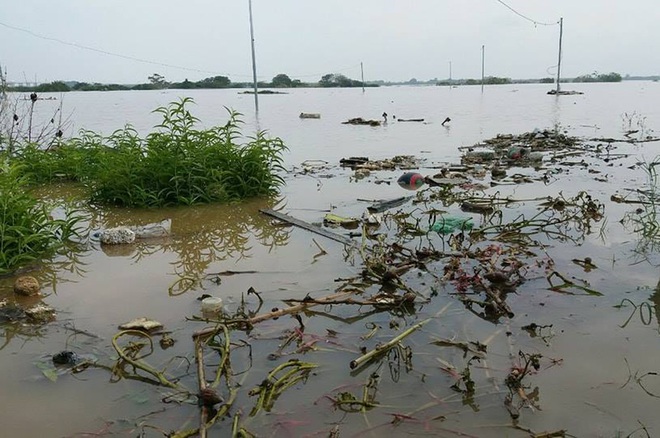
(597, 375)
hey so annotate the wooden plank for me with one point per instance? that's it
(381, 206)
(309, 227)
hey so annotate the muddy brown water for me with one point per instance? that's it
(596, 375)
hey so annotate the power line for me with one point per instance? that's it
(118, 55)
(161, 64)
(526, 17)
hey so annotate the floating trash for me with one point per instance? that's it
(211, 304)
(517, 152)
(144, 324)
(449, 224)
(350, 223)
(411, 180)
(66, 358)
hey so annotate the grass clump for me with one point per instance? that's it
(27, 230)
(176, 164)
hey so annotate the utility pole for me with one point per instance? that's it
(561, 33)
(450, 70)
(254, 61)
(362, 72)
(483, 56)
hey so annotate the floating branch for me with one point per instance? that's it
(381, 349)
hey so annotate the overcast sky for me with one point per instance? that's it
(395, 39)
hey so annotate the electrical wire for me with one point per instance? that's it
(526, 17)
(118, 55)
(161, 64)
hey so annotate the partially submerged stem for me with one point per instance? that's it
(380, 349)
(138, 364)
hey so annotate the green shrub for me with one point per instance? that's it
(27, 230)
(176, 164)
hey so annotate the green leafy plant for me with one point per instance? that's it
(27, 230)
(645, 220)
(177, 164)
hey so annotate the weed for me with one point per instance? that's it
(27, 230)
(644, 220)
(175, 165)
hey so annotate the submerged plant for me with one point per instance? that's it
(27, 230)
(179, 164)
(644, 221)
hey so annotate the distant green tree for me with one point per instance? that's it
(494, 80)
(596, 77)
(547, 81)
(57, 86)
(338, 80)
(185, 85)
(282, 81)
(215, 82)
(158, 81)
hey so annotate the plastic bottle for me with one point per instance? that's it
(211, 305)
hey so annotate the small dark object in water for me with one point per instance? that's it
(209, 397)
(563, 93)
(33, 97)
(166, 342)
(65, 358)
(497, 172)
(517, 152)
(361, 121)
(411, 120)
(411, 180)
(472, 207)
(353, 161)
(447, 120)
(496, 277)
(386, 205)
(11, 313)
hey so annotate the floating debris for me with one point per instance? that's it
(211, 305)
(361, 121)
(350, 223)
(397, 162)
(26, 286)
(449, 224)
(564, 93)
(117, 236)
(66, 358)
(411, 180)
(159, 229)
(40, 313)
(11, 313)
(143, 324)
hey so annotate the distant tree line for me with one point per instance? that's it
(330, 80)
(493, 80)
(596, 77)
(158, 82)
(488, 80)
